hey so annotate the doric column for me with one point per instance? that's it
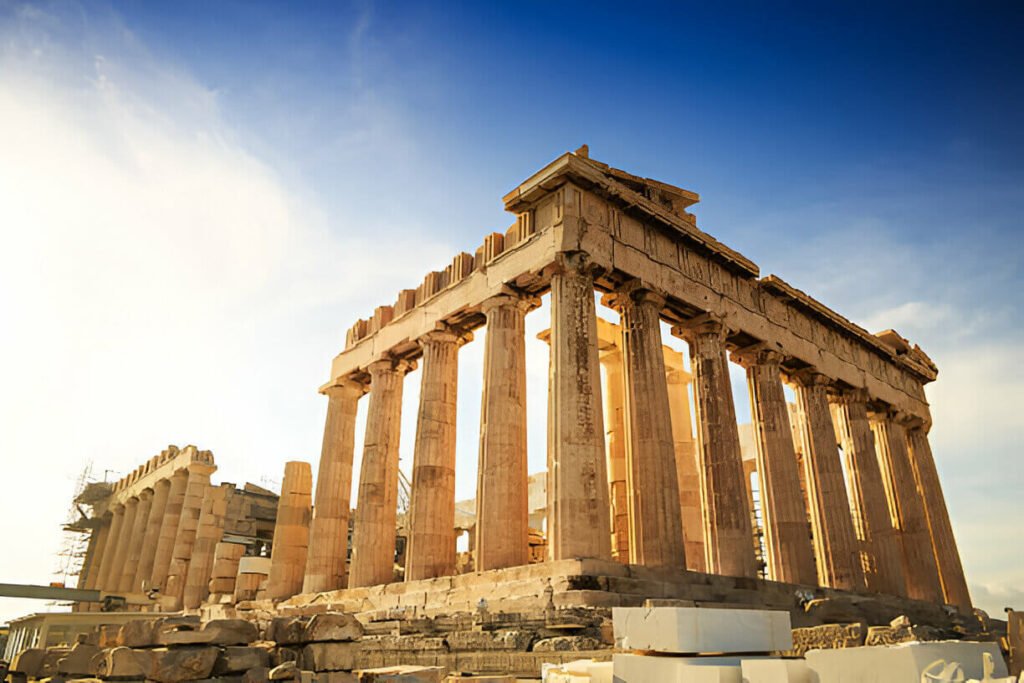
(728, 536)
(373, 532)
(880, 547)
(687, 474)
(208, 535)
(906, 508)
(431, 547)
(108, 561)
(656, 533)
(291, 532)
(577, 475)
(191, 507)
(124, 545)
(152, 534)
(951, 571)
(134, 554)
(168, 530)
(614, 418)
(835, 545)
(787, 534)
(94, 559)
(328, 532)
(502, 527)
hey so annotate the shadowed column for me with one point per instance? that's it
(124, 545)
(880, 546)
(577, 475)
(614, 417)
(951, 571)
(431, 550)
(728, 536)
(191, 506)
(97, 548)
(134, 554)
(152, 534)
(168, 530)
(328, 532)
(906, 508)
(835, 544)
(110, 551)
(656, 532)
(502, 488)
(208, 535)
(787, 533)
(373, 531)
(690, 512)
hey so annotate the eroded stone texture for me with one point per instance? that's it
(906, 508)
(951, 571)
(118, 581)
(880, 547)
(502, 511)
(188, 522)
(656, 534)
(327, 556)
(835, 545)
(113, 540)
(208, 535)
(134, 553)
(373, 533)
(787, 534)
(431, 549)
(168, 529)
(291, 533)
(728, 534)
(151, 536)
(577, 476)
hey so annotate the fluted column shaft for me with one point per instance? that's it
(327, 556)
(951, 571)
(906, 508)
(191, 507)
(431, 549)
(687, 474)
(291, 532)
(152, 534)
(134, 554)
(94, 558)
(124, 546)
(110, 551)
(168, 530)
(728, 536)
(577, 476)
(787, 534)
(614, 417)
(835, 544)
(656, 533)
(373, 532)
(880, 547)
(208, 534)
(502, 503)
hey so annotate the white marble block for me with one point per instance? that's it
(776, 671)
(701, 630)
(903, 662)
(628, 668)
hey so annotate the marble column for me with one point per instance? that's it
(687, 474)
(131, 565)
(835, 544)
(728, 535)
(191, 507)
(110, 551)
(787, 534)
(880, 546)
(614, 418)
(373, 531)
(124, 546)
(97, 548)
(168, 530)
(502, 527)
(208, 534)
(431, 546)
(327, 556)
(906, 508)
(151, 535)
(656, 532)
(291, 532)
(577, 474)
(951, 571)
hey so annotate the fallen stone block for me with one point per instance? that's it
(402, 674)
(330, 656)
(578, 671)
(827, 637)
(239, 659)
(489, 640)
(903, 662)
(169, 665)
(124, 662)
(138, 633)
(29, 662)
(697, 630)
(287, 630)
(890, 635)
(256, 675)
(332, 627)
(216, 632)
(566, 644)
(332, 677)
(79, 661)
(287, 671)
(776, 671)
(631, 668)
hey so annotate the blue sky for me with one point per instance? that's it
(197, 199)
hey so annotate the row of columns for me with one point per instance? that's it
(851, 542)
(162, 538)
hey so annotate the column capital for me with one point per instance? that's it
(636, 291)
(345, 387)
(510, 297)
(810, 377)
(132, 502)
(704, 324)
(850, 396)
(445, 333)
(397, 365)
(761, 353)
(145, 494)
(579, 262)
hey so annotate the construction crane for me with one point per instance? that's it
(109, 602)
